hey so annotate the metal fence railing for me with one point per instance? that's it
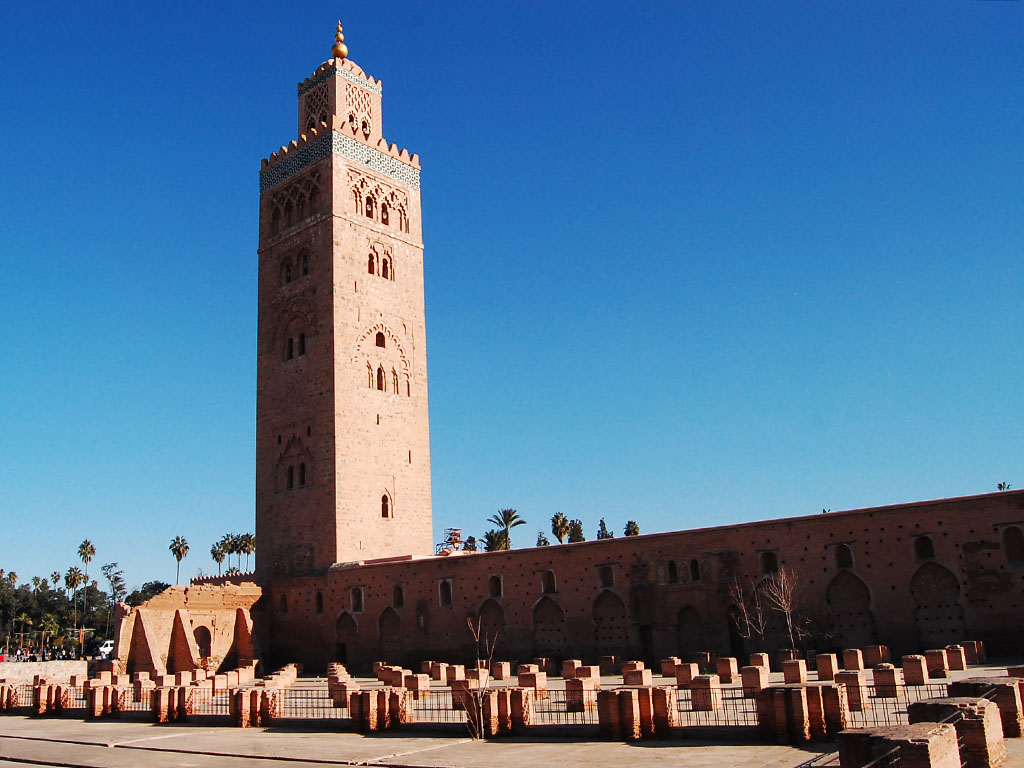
(561, 707)
(308, 703)
(878, 705)
(204, 702)
(436, 706)
(137, 704)
(736, 706)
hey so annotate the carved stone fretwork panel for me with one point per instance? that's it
(298, 316)
(296, 202)
(295, 460)
(384, 368)
(316, 108)
(366, 346)
(358, 101)
(389, 205)
(380, 259)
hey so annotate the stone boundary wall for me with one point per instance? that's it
(915, 577)
(25, 671)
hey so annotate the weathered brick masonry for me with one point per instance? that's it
(619, 596)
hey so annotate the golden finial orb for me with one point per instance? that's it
(340, 50)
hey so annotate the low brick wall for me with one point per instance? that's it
(58, 671)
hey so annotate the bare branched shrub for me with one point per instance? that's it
(484, 646)
(782, 591)
(751, 612)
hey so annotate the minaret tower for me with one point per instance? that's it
(342, 436)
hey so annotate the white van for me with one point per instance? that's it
(106, 649)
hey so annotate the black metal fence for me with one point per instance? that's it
(879, 705)
(307, 703)
(437, 706)
(735, 706)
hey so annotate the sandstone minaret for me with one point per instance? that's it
(342, 436)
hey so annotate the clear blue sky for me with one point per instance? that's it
(687, 263)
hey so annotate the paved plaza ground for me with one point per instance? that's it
(28, 741)
(71, 741)
(31, 741)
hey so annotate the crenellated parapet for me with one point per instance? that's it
(386, 159)
(345, 69)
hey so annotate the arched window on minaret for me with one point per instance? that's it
(385, 506)
(302, 344)
(379, 340)
(290, 353)
(302, 474)
(380, 379)
(288, 214)
(291, 477)
(408, 386)
(304, 258)
(385, 269)
(371, 264)
(384, 215)
(369, 207)
(394, 381)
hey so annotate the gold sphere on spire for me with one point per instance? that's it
(340, 50)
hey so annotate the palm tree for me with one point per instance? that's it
(236, 550)
(179, 548)
(495, 541)
(217, 552)
(24, 619)
(560, 527)
(36, 581)
(603, 532)
(230, 544)
(55, 578)
(247, 545)
(506, 520)
(73, 580)
(48, 626)
(86, 551)
(631, 529)
(12, 577)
